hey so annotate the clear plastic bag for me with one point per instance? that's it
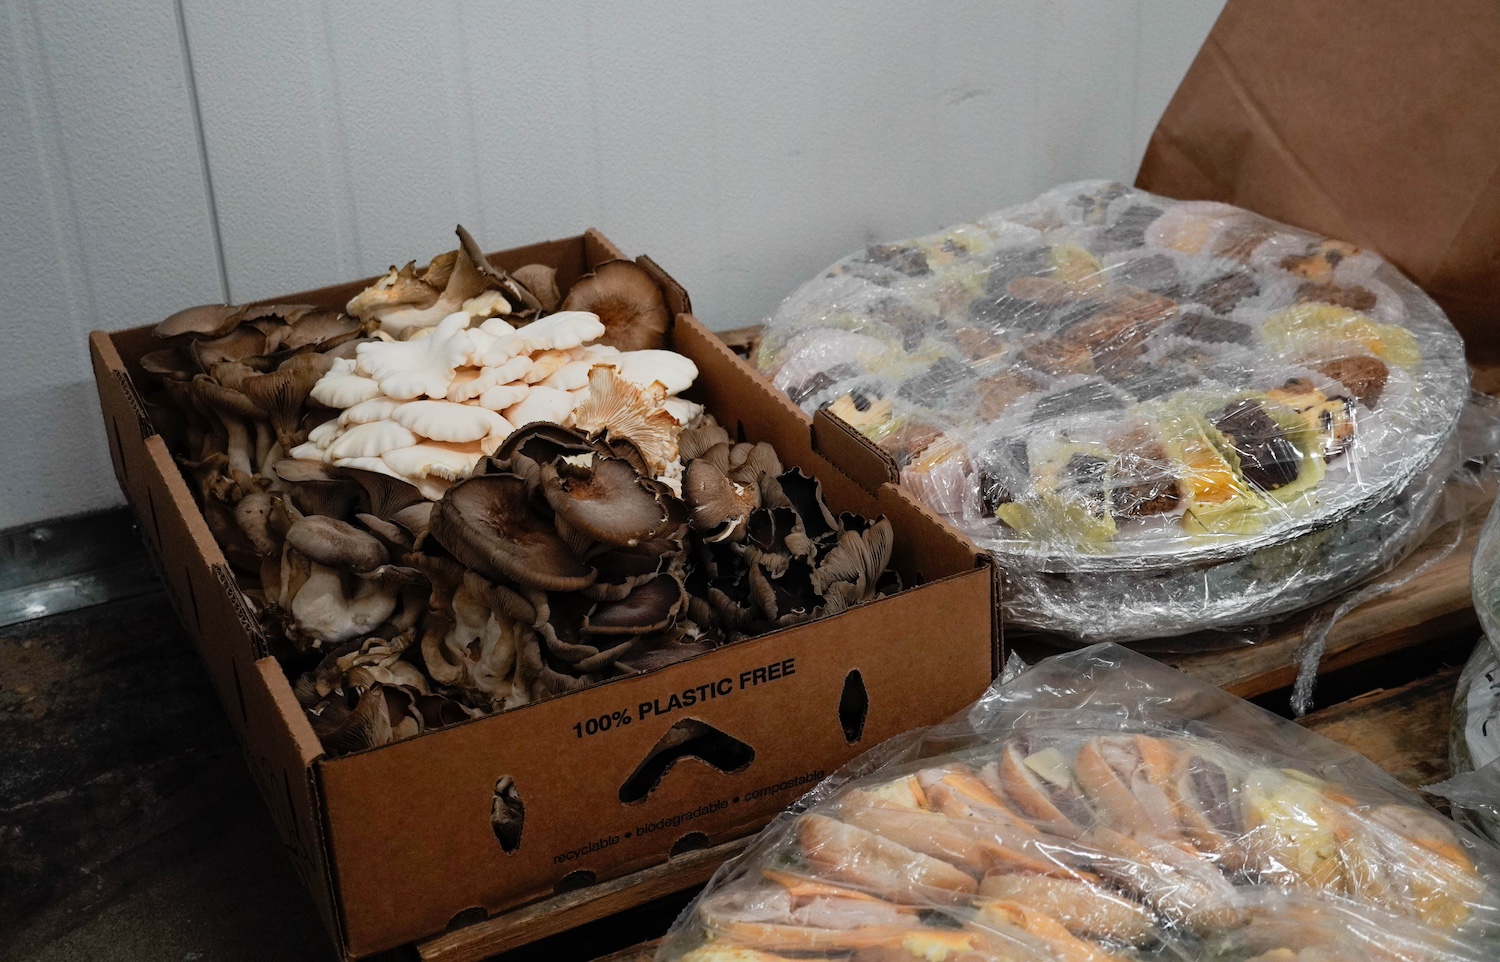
(1102, 807)
(1160, 416)
(1473, 790)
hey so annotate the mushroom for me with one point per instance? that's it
(644, 368)
(283, 394)
(555, 332)
(627, 301)
(539, 404)
(621, 409)
(343, 386)
(604, 500)
(720, 506)
(349, 589)
(450, 421)
(541, 281)
(206, 320)
(409, 369)
(486, 523)
(404, 302)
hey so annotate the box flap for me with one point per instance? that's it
(1372, 122)
(855, 454)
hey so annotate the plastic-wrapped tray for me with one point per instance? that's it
(1102, 808)
(1104, 382)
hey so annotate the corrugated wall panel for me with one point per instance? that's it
(745, 146)
(106, 225)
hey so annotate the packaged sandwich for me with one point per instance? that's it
(1101, 807)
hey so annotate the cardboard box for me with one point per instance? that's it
(395, 843)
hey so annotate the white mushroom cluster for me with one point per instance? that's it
(432, 394)
(429, 408)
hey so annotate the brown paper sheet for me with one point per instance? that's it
(1376, 122)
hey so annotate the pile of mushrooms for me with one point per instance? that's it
(469, 493)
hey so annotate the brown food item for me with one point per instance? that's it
(1241, 237)
(1365, 376)
(1057, 356)
(1353, 296)
(999, 392)
(1318, 262)
(979, 344)
(909, 440)
(1225, 291)
(1144, 481)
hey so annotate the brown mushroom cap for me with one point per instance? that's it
(542, 441)
(604, 500)
(224, 401)
(169, 365)
(320, 329)
(335, 544)
(283, 393)
(720, 506)
(541, 281)
(205, 320)
(487, 524)
(240, 344)
(520, 298)
(628, 302)
(651, 606)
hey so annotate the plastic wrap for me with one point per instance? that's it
(1474, 737)
(1102, 807)
(1160, 416)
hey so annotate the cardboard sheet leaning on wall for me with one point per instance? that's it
(1372, 122)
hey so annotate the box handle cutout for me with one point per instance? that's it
(469, 916)
(507, 814)
(691, 842)
(854, 707)
(574, 881)
(688, 737)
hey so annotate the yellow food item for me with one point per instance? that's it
(1306, 325)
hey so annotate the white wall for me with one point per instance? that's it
(157, 154)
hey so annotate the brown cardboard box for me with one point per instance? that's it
(395, 842)
(1375, 122)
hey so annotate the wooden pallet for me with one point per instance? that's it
(1403, 730)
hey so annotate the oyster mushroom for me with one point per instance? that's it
(627, 301)
(349, 589)
(450, 421)
(343, 386)
(541, 281)
(487, 524)
(410, 369)
(283, 394)
(644, 368)
(404, 302)
(234, 412)
(650, 607)
(720, 506)
(603, 499)
(206, 320)
(621, 409)
(555, 332)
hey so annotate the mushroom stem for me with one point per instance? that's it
(239, 448)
